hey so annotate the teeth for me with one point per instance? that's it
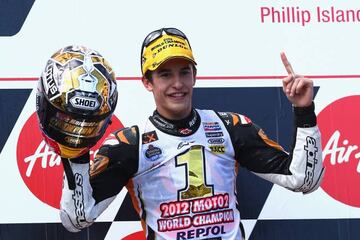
(177, 94)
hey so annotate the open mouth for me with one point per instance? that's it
(177, 95)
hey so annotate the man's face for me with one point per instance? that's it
(172, 86)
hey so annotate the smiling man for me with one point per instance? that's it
(180, 165)
(172, 85)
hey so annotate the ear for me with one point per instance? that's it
(147, 84)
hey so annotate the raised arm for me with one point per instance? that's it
(300, 170)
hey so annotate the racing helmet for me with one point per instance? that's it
(76, 97)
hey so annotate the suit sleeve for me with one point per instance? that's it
(94, 186)
(301, 170)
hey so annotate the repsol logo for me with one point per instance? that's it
(217, 148)
(84, 103)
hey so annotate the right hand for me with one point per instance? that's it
(298, 89)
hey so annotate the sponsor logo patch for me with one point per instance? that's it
(183, 144)
(311, 161)
(211, 126)
(216, 141)
(50, 84)
(73, 140)
(185, 131)
(214, 134)
(78, 198)
(217, 149)
(153, 153)
(85, 103)
(149, 137)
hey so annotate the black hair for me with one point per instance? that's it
(148, 75)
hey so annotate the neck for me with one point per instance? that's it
(179, 127)
(175, 116)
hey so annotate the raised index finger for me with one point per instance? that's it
(287, 64)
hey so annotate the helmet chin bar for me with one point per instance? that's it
(64, 151)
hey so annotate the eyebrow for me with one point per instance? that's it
(164, 70)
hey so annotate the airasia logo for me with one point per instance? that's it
(40, 168)
(339, 124)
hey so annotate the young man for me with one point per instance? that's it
(180, 165)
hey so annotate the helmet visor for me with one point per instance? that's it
(73, 131)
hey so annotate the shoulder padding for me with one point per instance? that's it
(233, 119)
(128, 135)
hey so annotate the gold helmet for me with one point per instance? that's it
(76, 97)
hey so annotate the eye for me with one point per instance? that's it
(185, 72)
(165, 74)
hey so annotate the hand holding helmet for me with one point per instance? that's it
(76, 97)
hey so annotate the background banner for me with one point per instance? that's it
(237, 46)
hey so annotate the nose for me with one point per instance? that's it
(178, 81)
